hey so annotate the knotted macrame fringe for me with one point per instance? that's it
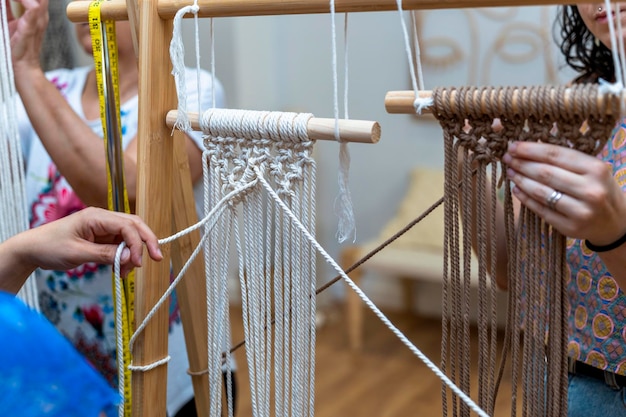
(536, 332)
(276, 262)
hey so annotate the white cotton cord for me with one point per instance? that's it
(333, 31)
(119, 341)
(229, 123)
(619, 71)
(620, 44)
(196, 25)
(346, 228)
(617, 53)
(239, 144)
(256, 274)
(13, 205)
(346, 61)
(153, 365)
(606, 87)
(213, 259)
(418, 53)
(419, 103)
(269, 235)
(219, 248)
(212, 216)
(177, 56)
(212, 26)
(464, 397)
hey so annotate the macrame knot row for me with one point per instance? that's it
(277, 143)
(485, 119)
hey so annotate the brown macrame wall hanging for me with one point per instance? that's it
(536, 332)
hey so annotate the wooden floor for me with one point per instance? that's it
(383, 380)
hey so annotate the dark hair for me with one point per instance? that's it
(592, 61)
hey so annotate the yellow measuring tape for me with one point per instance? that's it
(105, 61)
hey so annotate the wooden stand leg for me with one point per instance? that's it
(191, 290)
(153, 205)
(354, 308)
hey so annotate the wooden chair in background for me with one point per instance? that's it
(417, 256)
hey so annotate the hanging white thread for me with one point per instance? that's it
(177, 56)
(419, 103)
(346, 228)
(617, 49)
(418, 53)
(13, 214)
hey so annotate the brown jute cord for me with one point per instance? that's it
(585, 128)
(536, 331)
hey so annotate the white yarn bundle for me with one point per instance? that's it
(13, 212)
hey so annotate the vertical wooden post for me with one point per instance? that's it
(157, 94)
(191, 291)
(354, 307)
(133, 17)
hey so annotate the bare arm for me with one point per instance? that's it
(75, 149)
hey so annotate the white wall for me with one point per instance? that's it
(283, 63)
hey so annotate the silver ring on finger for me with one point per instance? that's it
(553, 199)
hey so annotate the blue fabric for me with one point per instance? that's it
(591, 397)
(41, 374)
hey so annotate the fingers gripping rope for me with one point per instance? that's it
(209, 220)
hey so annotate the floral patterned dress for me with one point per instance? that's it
(79, 302)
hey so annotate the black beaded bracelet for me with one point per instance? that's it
(605, 248)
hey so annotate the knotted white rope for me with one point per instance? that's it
(282, 250)
(208, 222)
(13, 206)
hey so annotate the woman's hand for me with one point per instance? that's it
(27, 33)
(591, 206)
(90, 235)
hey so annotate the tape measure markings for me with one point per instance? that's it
(106, 66)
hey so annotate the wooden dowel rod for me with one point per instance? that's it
(401, 102)
(116, 9)
(360, 131)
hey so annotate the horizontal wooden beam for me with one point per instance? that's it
(77, 11)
